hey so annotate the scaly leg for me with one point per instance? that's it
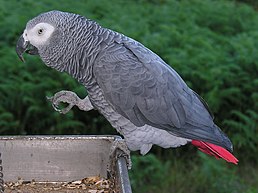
(72, 99)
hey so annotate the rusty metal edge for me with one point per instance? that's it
(60, 137)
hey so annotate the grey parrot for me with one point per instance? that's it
(141, 96)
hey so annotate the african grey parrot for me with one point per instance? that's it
(137, 92)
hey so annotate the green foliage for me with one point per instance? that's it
(213, 44)
(148, 170)
(211, 171)
(23, 102)
(175, 175)
(245, 126)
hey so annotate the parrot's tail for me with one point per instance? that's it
(215, 150)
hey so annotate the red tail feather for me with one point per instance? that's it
(214, 150)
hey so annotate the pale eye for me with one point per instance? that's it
(40, 31)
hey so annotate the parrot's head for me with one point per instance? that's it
(52, 36)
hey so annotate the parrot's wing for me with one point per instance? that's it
(145, 90)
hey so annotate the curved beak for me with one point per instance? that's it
(21, 47)
(25, 46)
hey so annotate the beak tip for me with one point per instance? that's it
(22, 59)
(21, 48)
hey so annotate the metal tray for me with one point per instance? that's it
(63, 159)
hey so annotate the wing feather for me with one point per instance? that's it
(145, 90)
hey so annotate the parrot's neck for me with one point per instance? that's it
(80, 63)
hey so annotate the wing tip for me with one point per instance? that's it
(215, 150)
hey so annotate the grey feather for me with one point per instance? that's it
(156, 94)
(142, 96)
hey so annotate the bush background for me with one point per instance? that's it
(213, 44)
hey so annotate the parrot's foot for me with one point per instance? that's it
(120, 149)
(72, 99)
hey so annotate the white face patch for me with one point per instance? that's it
(39, 34)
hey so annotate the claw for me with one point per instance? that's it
(55, 105)
(66, 109)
